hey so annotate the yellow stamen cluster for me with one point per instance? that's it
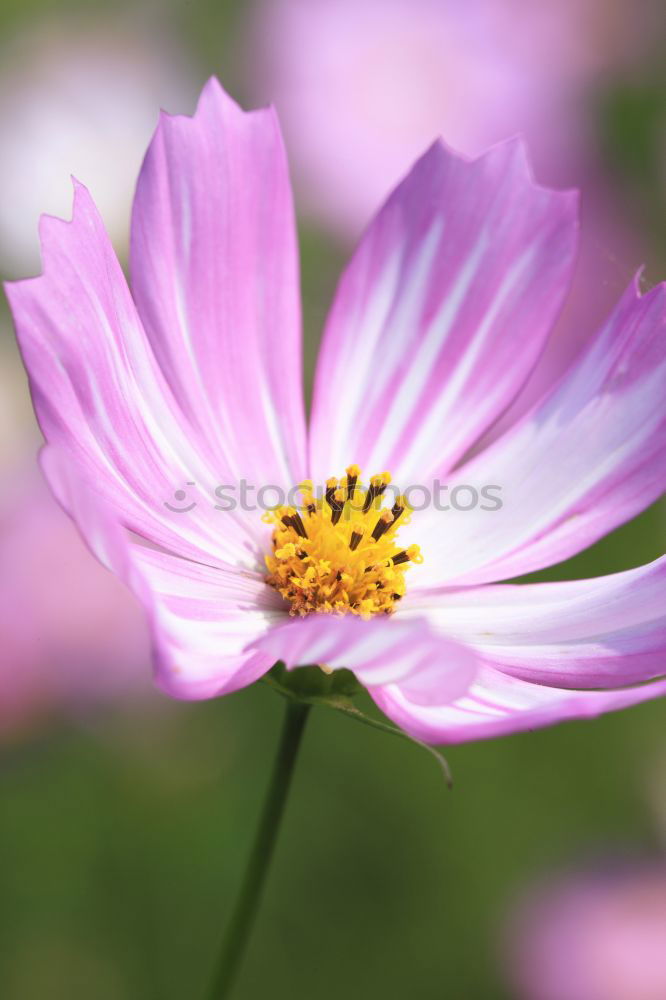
(338, 552)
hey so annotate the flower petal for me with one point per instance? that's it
(380, 651)
(101, 397)
(215, 276)
(600, 633)
(498, 705)
(441, 314)
(202, 618)
(587, 458)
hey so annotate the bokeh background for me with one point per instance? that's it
(126, 817)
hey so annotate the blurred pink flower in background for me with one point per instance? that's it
(72, 635)
(592, 936)
(79, 98)
(362, 88)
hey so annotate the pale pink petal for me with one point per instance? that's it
(441, 314)
(100, 396)
(380, 651)
(498, 705)
(600, 633)
(215, 275)
(202, 618)
(589, 457)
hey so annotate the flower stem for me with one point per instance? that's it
(242, 919)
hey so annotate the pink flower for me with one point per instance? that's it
(72, 635)
(593, 936)
(194, 382)
(363, 88)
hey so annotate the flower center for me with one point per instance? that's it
(338, 552)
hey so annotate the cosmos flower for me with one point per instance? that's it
(193, 382)
(592, 935)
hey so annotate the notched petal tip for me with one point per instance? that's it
(213, 99)
(213, 90)
(82, 200)
(514, 148)
(212, 96)
(51, 228)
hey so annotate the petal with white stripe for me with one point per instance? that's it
(214, 264)
(587, 458)
(498, 705)
(202, 618)
(101, 397)
(441, 314)
(605, 632)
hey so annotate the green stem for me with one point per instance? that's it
(242, 919)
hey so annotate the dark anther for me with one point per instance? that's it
(330, 492)
(369, 497)
(351, 485)
(382, 526)
(397, 509)
(337, 503)
(355, 540)
(294, 521)
(336, 514)
(300, 527)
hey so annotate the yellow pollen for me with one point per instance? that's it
(339, 552)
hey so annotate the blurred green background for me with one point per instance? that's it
(124, 829)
